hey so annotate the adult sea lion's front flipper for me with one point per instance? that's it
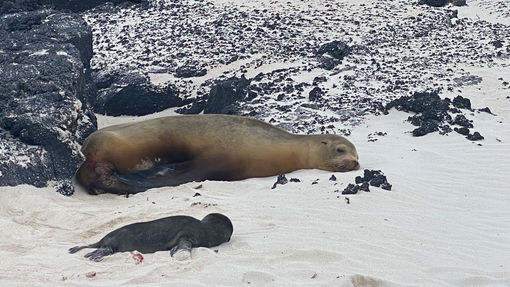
(164, 175)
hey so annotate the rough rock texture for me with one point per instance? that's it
(44, 116)
(81, 5)
(281, 179)
(435, 114)
(370, 178)
(13, 6)
(222, 98)
(395, 48)
(441, 3)
(132, 94)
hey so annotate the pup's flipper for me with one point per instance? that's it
(98, 254)
(182, 250)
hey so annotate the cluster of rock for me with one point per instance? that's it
(436, 114)
(362, 55)
(370, 178)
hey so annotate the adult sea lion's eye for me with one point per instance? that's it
(339, 150)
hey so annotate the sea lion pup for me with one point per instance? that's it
(174, 233)
(169, 151)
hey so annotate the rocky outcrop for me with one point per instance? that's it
(132, 94)
(44, 113)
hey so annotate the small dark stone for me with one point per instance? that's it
(351, 189)
(434, 3)
(295, 180)
(332, 178)
(386, 186)
(486, 110)
(65, 187)
(335, 49)
(188, 71)
(459, 3)
(461, 102)
(358, 179)
(378, 180)
(462, 131)
(315, 94)
(370, 174)
(328, 62)
(280, 180)
(461, 120)
(427, 127)
(497, 44)
(196, 194)
(318, 80)
(476, 136)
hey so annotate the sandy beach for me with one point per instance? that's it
(445, 222)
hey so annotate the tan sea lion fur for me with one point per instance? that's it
(169, 151)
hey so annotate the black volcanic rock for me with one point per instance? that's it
(476, 136)
(331, 54)
(81, 5)
(434, 3)
(188, 71)
(432, 112)
(315, 94)
(351, 189)
(442, 3)
(461, 102)
(225, 94)
(336, 49)
(463, 131)
(459, 2)
(44, 113)
(132, 94)
(15, 6)
(461, 120)
(281, 179)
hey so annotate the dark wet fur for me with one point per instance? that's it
(172, 233)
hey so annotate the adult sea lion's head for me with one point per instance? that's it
(336, 153)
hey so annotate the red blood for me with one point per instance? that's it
(138, 258)
(91, 274)
(64, 278)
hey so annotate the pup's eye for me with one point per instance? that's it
(339, 150)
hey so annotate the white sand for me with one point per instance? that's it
(446, 221)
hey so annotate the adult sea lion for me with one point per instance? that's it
(168, 151)
(174, 233)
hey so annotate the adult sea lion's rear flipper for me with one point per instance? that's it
(164, 175)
